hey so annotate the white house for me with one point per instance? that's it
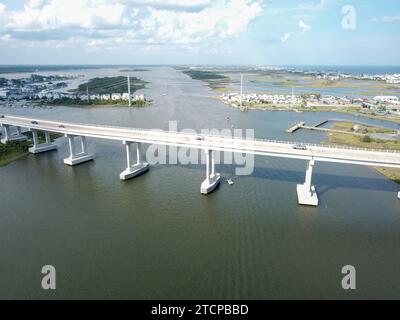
(116, 96)
(105, 97)
(388, 99)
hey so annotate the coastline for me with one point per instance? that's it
(326, 108)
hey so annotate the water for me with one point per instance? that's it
(156, 237)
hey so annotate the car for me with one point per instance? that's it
(200, 138)
(61, 126)
(1, 115)
(300, 147)
(34, 122)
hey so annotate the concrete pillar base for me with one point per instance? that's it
(43, 148)
(209, 185)
(14, 138)
(134, 171)
(79, 158)
(305, 197)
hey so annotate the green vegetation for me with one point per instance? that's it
(217, 82)
(108, 85)
(203, 75)
(12, 151)
(365, 141)
(15, 150)
(133, 70)
(96, 102)
(391, 173)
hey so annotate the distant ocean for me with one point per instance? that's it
(352, 69)
(344, 69)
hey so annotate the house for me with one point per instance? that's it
(386, 99)
(105, 97)
(4, 93)
(116, 96)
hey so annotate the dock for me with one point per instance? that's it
(295, 127)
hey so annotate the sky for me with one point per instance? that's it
(200, 32)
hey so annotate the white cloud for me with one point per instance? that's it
(285, 37)
(108, 22)
(387, 19)
(38, 15)
(221, 20)
(304, 26)
(174, 5)
(2, 8)
(315, 7)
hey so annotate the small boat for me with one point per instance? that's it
(230, 181)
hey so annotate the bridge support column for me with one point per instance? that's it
(8, 136)
(77, 158)
(212, 179)
(306, 193)
(44, 147)
(136, 169)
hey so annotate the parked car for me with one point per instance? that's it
(300, 147)
(1, 115)
(61, 126)
(34, 122)
(200, 138)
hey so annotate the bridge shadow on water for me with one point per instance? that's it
(323, 181)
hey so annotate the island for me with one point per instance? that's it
(106, 91)
(216, 81)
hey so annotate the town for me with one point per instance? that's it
(380, 104)
(38, 88)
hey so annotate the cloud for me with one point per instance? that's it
(124, 22)
(304, 26)
(285, 37)
(2, 8)
(387, 19)
(171, 5)
(315, 7)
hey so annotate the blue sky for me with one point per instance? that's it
(262, 32)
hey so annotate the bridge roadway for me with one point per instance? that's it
(209, 143)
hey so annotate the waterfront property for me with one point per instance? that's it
(306, 192)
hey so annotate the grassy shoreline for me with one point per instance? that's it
(14, 150)
(350, 110)
(366, 141)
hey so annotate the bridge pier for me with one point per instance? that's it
(77, 158)
(12, 137)
(306, 193)
(41, 147)
(136, 169)
(212, 179)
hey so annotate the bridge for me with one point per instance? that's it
(312, 153)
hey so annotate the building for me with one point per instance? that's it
(386, 99)
(116, 96)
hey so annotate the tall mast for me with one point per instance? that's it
(129, 91)
(241, 89)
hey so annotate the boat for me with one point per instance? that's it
(230, 181)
